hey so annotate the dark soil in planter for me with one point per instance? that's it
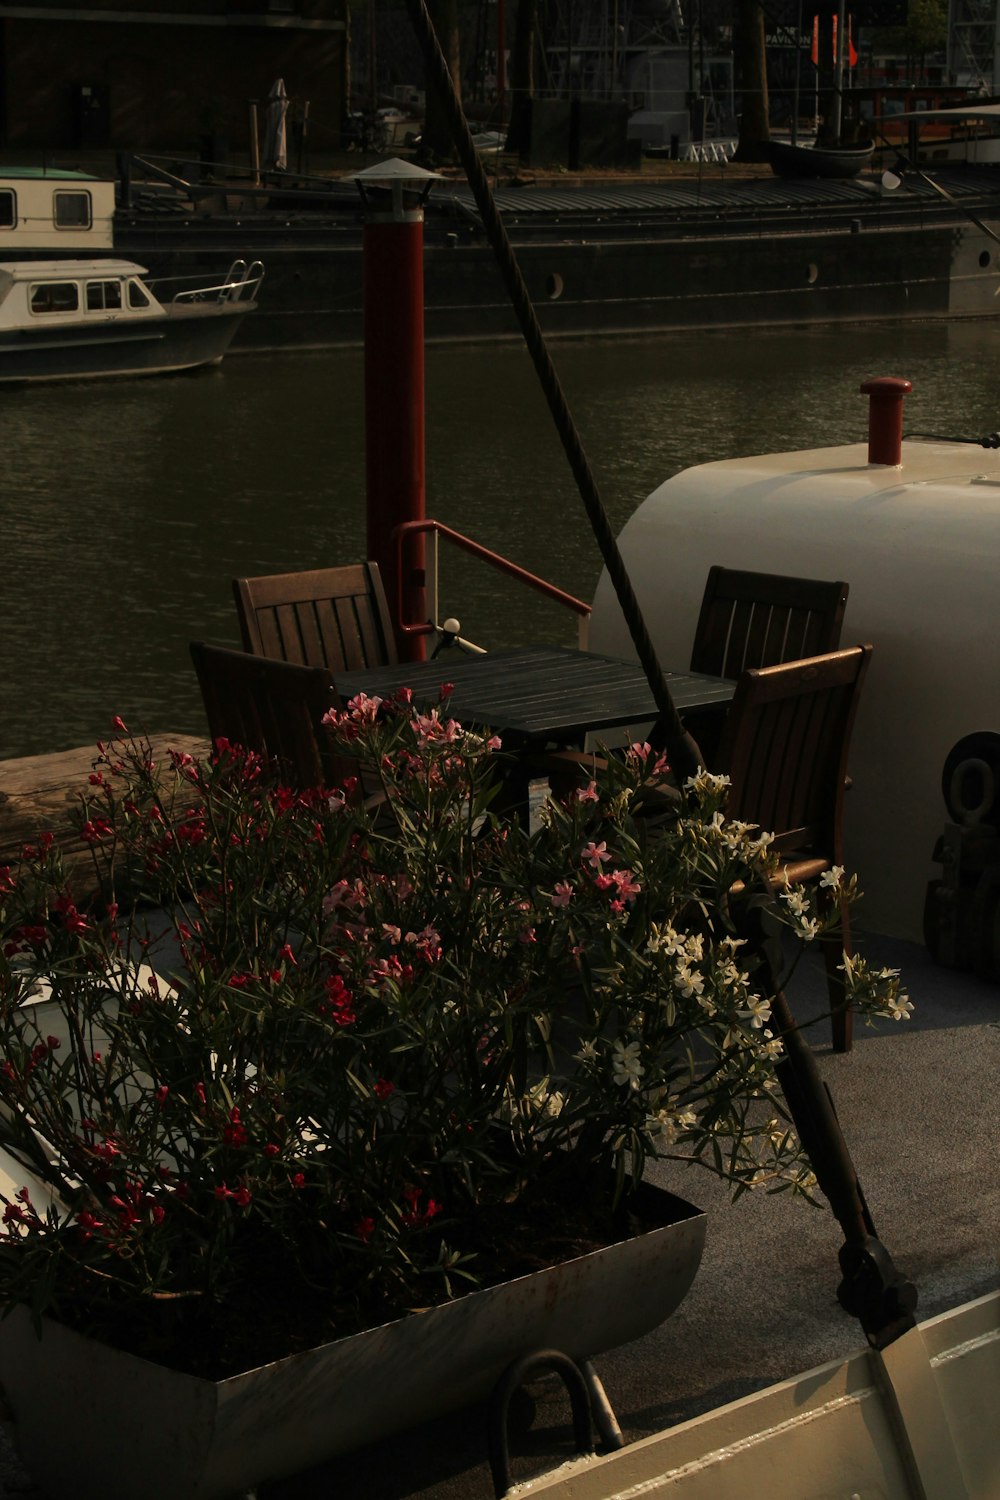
(276, 1311)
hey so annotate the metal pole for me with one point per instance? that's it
(836, 103)
(254, 144)
(394, 399)
(798, 69)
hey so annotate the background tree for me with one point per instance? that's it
(750, 79)
(436, 144)
(926, 31)
(522, 75)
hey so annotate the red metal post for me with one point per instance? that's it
(885, 418)
(394, 395)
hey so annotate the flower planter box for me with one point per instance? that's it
(176, 1435)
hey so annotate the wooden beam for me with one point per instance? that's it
(41, 793)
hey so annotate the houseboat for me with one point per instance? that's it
(67, 315)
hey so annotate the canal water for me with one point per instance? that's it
(127, 507)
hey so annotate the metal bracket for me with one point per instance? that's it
(589, 1403)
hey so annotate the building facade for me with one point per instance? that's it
(181, 76)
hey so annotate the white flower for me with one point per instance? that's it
(587, 1053)
(688, 980)
(664, 940)
(758, 1010)
(664, 1125)
(705, 781)
(900, 1008)
(796, 900)
(625, 1065)
(832, 878)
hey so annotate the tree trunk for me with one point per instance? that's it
(522, 76)
(750, 78)
(436, 144)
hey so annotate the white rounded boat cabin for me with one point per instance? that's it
(34, 293)
(918, 543)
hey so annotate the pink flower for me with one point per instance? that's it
(384, 1088)
(596, 854)
(587, 794)
(628, 888)
(363, 710)
(563, 894)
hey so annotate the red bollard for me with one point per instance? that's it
(885, 418)
(393, 193)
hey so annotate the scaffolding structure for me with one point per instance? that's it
(972, 44)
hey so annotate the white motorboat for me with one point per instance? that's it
(75, 319)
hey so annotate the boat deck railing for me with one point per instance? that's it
(406, 568)
(240, 284)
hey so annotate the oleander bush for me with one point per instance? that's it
(311, 1059)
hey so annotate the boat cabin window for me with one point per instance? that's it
(55, 297)
(71, 210)
(103, 294)
(8, 210)
(136, 296)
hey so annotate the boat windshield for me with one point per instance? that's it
(137, 295)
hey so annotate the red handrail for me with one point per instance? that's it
(466, 544)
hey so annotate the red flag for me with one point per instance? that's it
(852, 51)
(814, 54)
(834, 39)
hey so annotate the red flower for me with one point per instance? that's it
(339, 1002)
(384, 1088)
(235, 1133)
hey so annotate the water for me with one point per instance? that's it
(127, 507)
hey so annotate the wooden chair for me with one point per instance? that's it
(272, 707)
(758, 620)
(336, 618)
(784, 748)
(761, 619)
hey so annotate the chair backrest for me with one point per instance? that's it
(330, 617)
(273, 707)
(785, 748)
(761, 619)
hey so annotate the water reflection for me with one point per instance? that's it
(127, 507)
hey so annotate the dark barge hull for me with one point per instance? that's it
(628, 260)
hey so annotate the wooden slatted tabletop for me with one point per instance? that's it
(539, 693)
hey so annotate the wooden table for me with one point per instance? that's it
(539, 694)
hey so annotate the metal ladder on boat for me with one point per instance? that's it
(241, 279)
